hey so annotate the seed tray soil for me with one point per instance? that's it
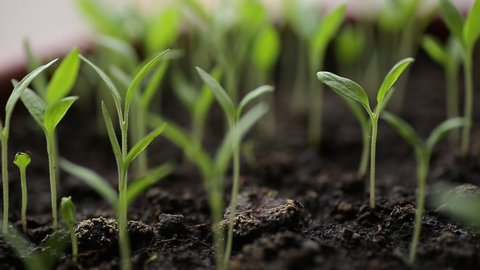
(299, 208)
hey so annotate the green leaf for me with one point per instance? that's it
(391, 78)
(452, 18)
(35, 106)
(67, 209)
(40, 82)
(63, 79)
(92, 179)
(154, 84)
(222, 97)
(471, 29)
(346, 88)
(258, 92)
(434, 49)
(403, 129)
(140, 185)
(442, 130)
(142, 144)
(56, 112)
(266, 48)
(183, 90)
(111, 135)
(138, 79)
(22, 160)
(19, 89)
(162, 30)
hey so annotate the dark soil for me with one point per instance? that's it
(300, 208)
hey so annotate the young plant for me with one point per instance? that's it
(213, 169)
(351, 90)
(18, 90)
(423, 152)
(233, 113)
(67, 208)
(467, 32)
(123, 156)
(22, 160)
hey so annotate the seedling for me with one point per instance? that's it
(67, 208)
(123, 156)
(467, 33)
(22, 160)
(233, 113)
(351, 90)
(18, 90)
(423, 152)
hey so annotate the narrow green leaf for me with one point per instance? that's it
(392, 77)
(92, 179)
(452, 18)
(154, 84)
(142, 144)
(19, 89)
(40, 82)
(403, 129)
(258, 92)
(35, 106)
(183, 90)
(442, 130)
(64, 78)
(346, 88)
(266, 48)
(112, 135)
(56, 112)
(221, 95)
(67, 209)
(153, 176)
(22, 160)
(434, 49)
(471, 29)
(162, 30)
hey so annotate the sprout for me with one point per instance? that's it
(423, 152)
(351, 90)
(22, 160)
(67, 209)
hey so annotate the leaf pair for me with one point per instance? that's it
(467, 31)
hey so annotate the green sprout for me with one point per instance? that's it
(423, 152)
(123, 156)
(351, 90)
(467, 32)
(22, 160)
(67, 209)
(233, 113)
(17, 92)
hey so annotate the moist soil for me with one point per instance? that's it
(299, 207)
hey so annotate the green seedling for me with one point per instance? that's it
(449, 57)
(22, 160)
(123, 156)
(467, 32)
(67, 208)
(423, 152)
(18, 90)
(233, 114)
(351, 90)
(213, 169)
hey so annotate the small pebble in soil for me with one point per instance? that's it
(169, 225)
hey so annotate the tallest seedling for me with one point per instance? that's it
(351, 90)
(467, 32)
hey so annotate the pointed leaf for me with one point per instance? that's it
(67, 209)
(154, 84)
(142, 144)
(56, 112)
(35, 106)
(222, 97)
(346, 88)
(471, 29)
(391, 78)
(258, 92)
(403, 129)
(112, 136)
(434, 49)
(140, 185)
(63, 79)
(452, 18)
(92, 179)
(442, 130)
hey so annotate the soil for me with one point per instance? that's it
(299, 208)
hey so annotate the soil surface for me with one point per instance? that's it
(299, 207)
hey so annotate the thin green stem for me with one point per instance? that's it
(468, 110)
(23, 183)
(123, 204)
(73, 238)
(50, 137)
(5, 179)
(373, 147)
(362, 168)
(452, 91)
(216, 206)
